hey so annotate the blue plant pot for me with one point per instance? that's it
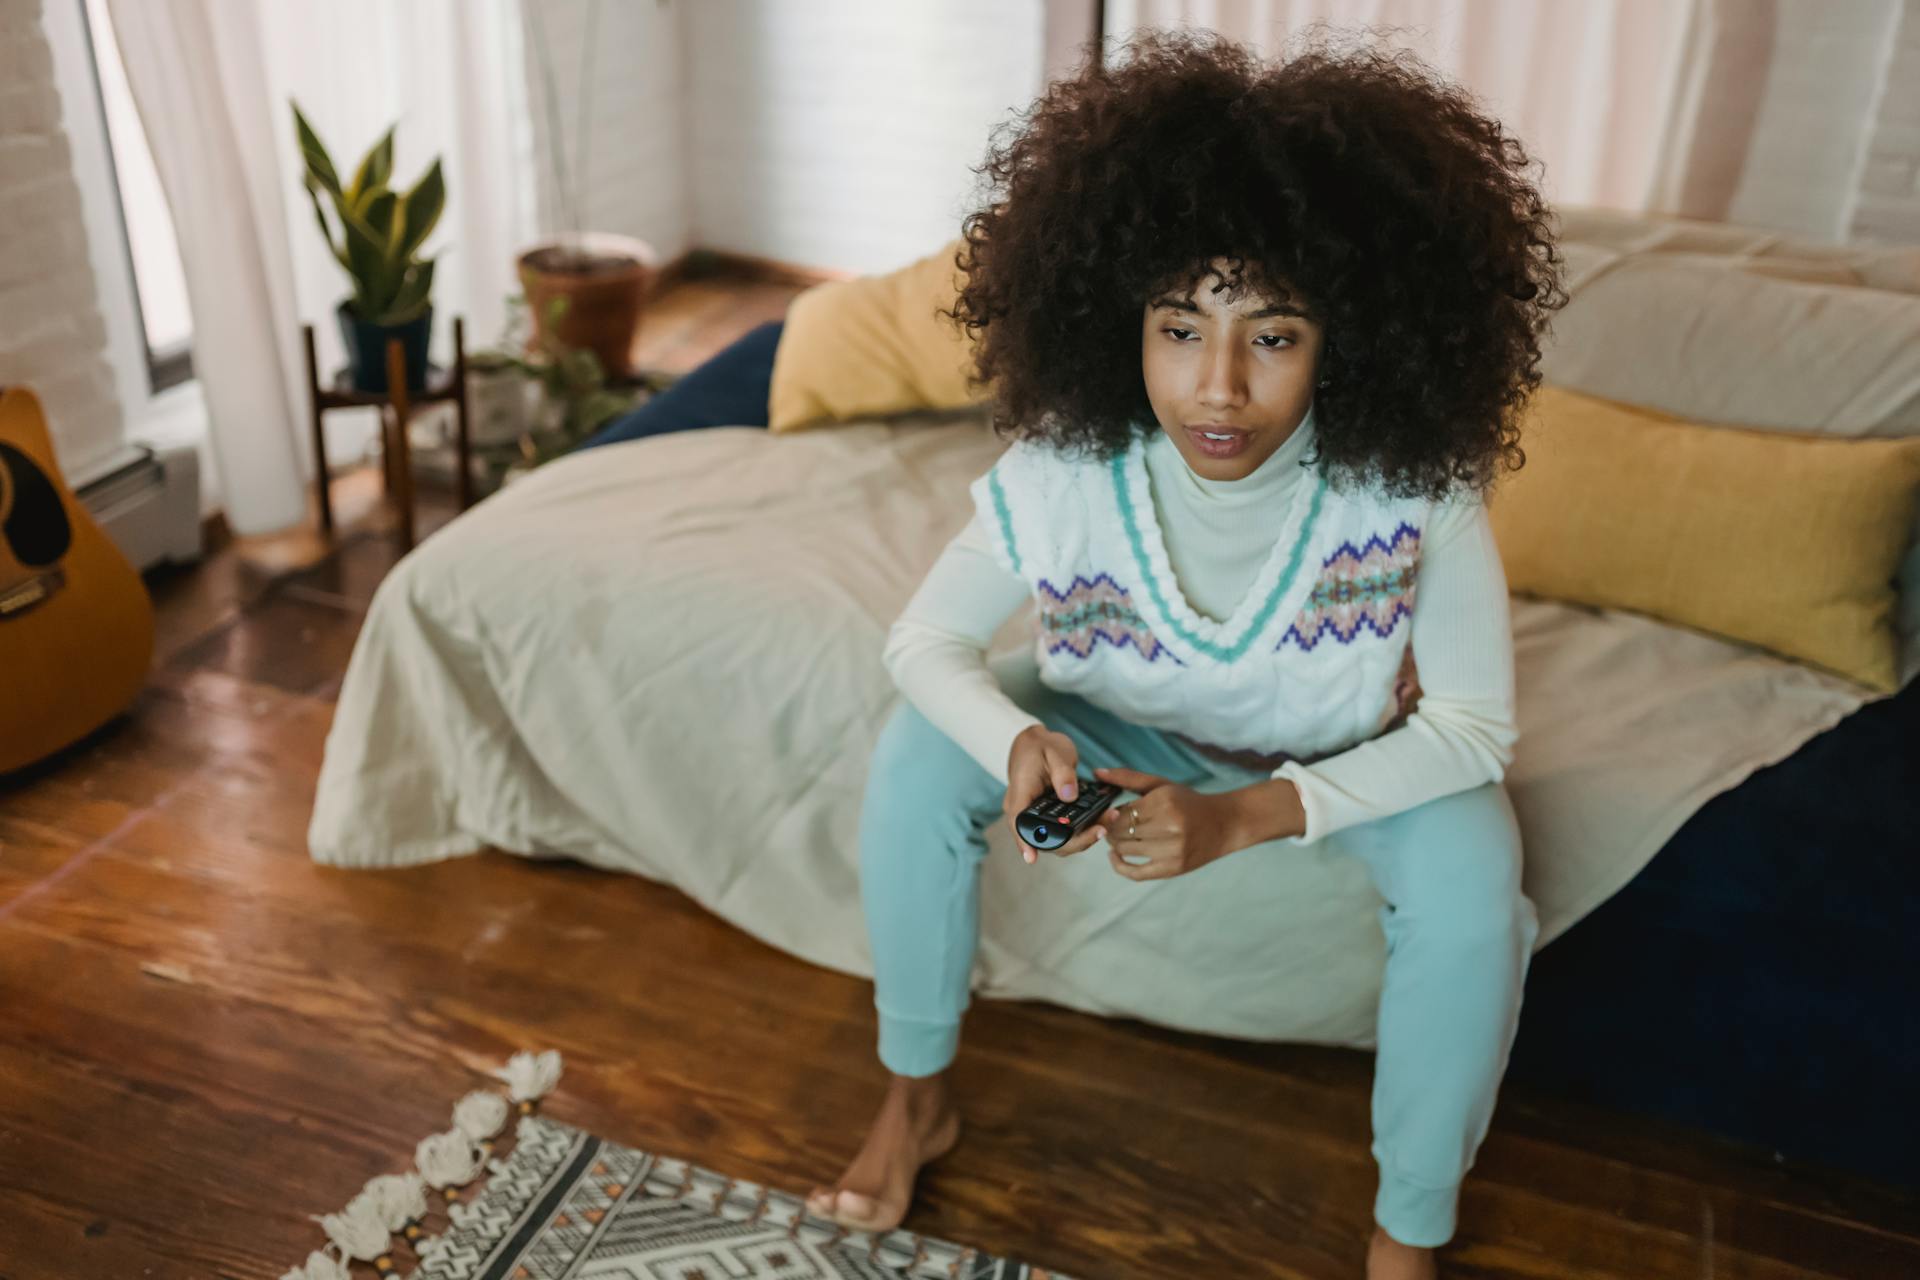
(367, 349)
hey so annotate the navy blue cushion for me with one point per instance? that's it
(728, 390)
(1756, 979)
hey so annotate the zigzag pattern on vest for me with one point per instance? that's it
(1370, 586)
(1086, 613)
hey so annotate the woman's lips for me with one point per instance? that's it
(1218, 448)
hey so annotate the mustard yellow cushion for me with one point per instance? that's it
(872, 346)
(1784, 541)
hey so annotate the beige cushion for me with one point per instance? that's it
(1697, 337)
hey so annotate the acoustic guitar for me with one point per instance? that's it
(76, 623)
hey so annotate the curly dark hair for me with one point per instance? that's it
(1374, 195)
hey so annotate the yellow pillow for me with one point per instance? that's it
(872, 346)
(1783, 541)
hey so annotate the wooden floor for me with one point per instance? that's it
(208, 1037)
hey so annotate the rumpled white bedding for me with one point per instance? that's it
(663, 657)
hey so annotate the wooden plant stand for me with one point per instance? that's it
(397, 406)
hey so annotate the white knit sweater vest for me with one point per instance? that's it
(1306, 666)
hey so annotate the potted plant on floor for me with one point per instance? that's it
(603, 278)
(537, 396)
(380, 234)
(503, 384)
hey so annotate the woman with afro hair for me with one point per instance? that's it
(1260, 334)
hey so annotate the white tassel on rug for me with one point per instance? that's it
(396, 1198)
(530, 1075)
(448, 1159)
(396, 1203)
(480, 1115)
(358, 1231)
(320, 1266)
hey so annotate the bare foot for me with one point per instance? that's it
(917, 1123)
(1388, 1259)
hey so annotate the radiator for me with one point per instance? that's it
(147, 498)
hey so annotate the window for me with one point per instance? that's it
(159, 288)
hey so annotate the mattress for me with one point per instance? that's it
(662, 657)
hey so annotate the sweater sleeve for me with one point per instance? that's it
(1463, 731)
(936, 649)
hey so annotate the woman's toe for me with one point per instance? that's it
(865, 1212)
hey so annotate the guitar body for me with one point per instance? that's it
(76, 623)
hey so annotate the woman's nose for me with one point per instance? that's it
(1221, 381)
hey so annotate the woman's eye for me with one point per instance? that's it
(1275, 346)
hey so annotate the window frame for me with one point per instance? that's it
(158, 393)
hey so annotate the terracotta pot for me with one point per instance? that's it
(605, 279)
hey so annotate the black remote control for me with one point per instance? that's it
(1050, 822)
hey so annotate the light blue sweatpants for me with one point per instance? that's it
(1459, 931)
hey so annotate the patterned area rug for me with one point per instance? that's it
(563, 1204)
(566, 1204)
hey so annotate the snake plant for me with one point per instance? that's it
(380, 230)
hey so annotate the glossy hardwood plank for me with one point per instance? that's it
(225, 958)
(245, 919)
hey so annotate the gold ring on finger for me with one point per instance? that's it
(1133, 820)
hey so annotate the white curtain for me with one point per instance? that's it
(1789, 114)
(213, 82)
(1584, 86)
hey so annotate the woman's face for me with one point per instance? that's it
(1248, 368)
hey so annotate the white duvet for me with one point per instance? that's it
(663, 658)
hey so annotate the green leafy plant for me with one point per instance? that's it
(380, 230)
(573, 386)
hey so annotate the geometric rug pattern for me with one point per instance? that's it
(566, 1205)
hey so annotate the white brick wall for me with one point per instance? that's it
(837, 134)
(841, 134)
(51, 334)
(636, 156)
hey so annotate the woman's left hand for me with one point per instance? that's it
(1176, 828)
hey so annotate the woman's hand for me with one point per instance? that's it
(1175, 827)
(1042, 762)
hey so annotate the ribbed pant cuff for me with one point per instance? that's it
(1415, 1215)
(909, 1047)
